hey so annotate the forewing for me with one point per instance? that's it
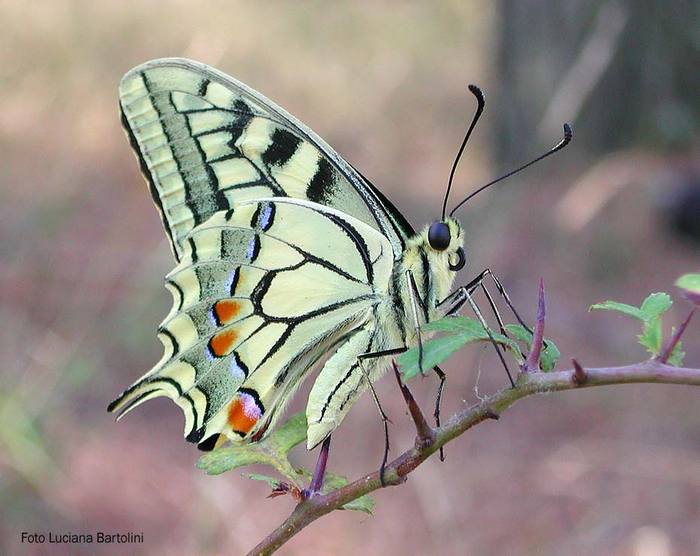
(206, 141)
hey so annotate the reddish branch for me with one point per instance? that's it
(527, 384)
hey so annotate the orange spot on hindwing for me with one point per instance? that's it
(222, 343)
(225, 310)
(244, 411)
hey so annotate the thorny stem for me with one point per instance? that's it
(491, 407)
(579, 377)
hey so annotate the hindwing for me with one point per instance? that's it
(262, 291)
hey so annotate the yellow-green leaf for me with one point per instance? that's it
(629, 310)
(271, 451)
(690, 284)
(459, 331)
(550, 352)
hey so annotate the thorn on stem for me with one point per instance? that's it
(532, 362)
(666, 352)
(426, 435)
(579, 378)
(491, 414)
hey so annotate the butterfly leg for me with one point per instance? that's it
(385, 419)
(320, 471)
(463, 295)
(499, 351)
(415, 299)
(479, 282)
(438, 400)
(494, 310)
(503, 293)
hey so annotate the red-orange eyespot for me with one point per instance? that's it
(222, 343)
(243, 413)
(226, 310)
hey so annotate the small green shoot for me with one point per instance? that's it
(272, 451)
(650, 313)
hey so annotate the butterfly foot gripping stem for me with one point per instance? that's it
(320, 471)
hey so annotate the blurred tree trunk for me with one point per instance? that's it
(623, 71)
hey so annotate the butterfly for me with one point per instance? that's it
(285, 254)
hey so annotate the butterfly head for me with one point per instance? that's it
(446, 237)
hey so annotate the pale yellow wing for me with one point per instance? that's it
(262, 292)
(206, 141)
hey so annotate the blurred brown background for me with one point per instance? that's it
(82, 256)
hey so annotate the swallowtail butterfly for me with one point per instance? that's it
(285, 253)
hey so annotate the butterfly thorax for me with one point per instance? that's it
(433, 278)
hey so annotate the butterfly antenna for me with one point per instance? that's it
(479, 109)
(568, 134)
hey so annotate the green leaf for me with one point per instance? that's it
(655, 305)
(549, 357)
(651, 336)
(550, 352)
(690, 284)
(332, 482)
(461, 331)
(362, 504)
(271, 451)
(290, 434)
(435, 351)
(520, 333)
(619, 307)
(650, 312)
(471, 328)
(456, 325)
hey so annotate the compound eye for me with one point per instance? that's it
(439, 236)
